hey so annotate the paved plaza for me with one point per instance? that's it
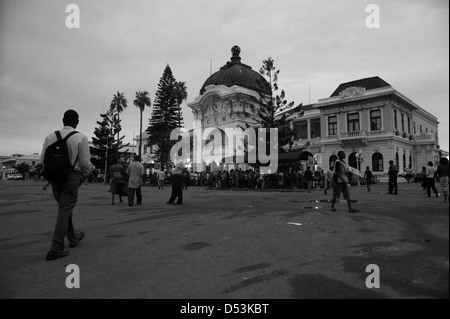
(227, 244)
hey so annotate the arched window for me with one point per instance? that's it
(404, 161)
(377, 162)
(410, 161)
(332, 161)
(352, 160)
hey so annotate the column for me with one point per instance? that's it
(308, 128)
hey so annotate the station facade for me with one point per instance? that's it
(367, 118)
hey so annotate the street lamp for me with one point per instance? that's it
(106, 158)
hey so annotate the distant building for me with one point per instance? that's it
(16, 159)
(373, 123)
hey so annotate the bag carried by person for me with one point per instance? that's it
(57, 166)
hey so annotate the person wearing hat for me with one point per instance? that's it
(66, 192)
(392, 172)
(177, 185)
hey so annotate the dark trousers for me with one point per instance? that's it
(393, 188)
(177, 189)
(131, 192)
(66, 194)
(430, 186)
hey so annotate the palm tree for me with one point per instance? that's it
(180, 94)
(141, 101)
(119, 103)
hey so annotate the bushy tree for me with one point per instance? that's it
(164, 118)
(270, 113)
(106, 148)
(23, 167)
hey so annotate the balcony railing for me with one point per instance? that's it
(352, 135)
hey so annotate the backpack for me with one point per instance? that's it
(57, 166)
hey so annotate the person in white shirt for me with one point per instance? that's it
(66, 192)
(135, 172)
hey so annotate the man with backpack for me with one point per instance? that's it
(65, 155)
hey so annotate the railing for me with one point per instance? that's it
(352, 135)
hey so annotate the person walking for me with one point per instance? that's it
(430, 171)
(368, 176)
(177, 185)
(392, 172)
(328, 177)
(135, 173)
(161, 178)
(442, 174)
(186, 178)
(309, 178)
(65, 191)
(118, 181)
(341, 184)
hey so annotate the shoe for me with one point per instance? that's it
(352, 211)
(52, 255)
(112, 203)
(169, 203)
(80, 237)
(130, 205)
(333, 209)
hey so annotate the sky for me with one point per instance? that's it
(47, 68)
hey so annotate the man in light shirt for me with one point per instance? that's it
(66, 192)
(135, 171)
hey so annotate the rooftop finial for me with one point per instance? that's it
(235, 54)
(235, 50)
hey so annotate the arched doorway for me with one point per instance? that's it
(332, 161)
(352, 161)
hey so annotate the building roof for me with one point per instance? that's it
(237, 73)
(367, 83)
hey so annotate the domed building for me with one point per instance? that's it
(228, 99)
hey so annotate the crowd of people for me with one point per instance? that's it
(239, 178)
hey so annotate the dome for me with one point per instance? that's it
(237, 73)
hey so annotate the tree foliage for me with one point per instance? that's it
(271, 113)
(165, 117)
(142, 100)
(106, 147)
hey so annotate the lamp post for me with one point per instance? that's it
(106, 157)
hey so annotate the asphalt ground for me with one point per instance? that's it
(228, 244)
